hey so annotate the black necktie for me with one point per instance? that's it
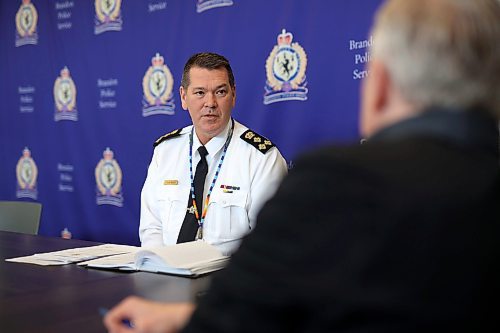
(190, 224)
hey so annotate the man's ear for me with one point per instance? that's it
(234, 95)
(374, 98)
(182, 93)
(381, 86)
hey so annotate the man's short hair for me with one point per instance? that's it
(442, 52)
(208, 61)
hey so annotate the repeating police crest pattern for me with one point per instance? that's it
(81, 81)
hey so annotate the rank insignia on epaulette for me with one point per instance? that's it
(167, 136)
(261, 143)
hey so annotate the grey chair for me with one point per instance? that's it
(20, 216)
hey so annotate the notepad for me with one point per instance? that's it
(186, 259)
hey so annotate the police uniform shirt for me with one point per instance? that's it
(250, 174)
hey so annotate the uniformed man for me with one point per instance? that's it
(237, 169)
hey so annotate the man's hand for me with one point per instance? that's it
(134, 314)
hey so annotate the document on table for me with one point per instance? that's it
(187, 259)
(125, 261)
(74, 255)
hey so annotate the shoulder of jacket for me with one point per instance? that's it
(173, 134)
(258, 141)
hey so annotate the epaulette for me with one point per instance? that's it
(261, 143)
(167, 136)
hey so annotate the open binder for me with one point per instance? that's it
(186, 259)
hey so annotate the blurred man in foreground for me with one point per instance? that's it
(402, 232)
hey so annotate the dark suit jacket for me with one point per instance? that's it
(400, 234)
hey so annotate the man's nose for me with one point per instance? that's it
(210, 101)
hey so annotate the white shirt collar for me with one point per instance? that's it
(214, 145)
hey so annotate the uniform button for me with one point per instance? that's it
(224, 202)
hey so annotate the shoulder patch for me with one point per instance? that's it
(261, 143)
(167, 136)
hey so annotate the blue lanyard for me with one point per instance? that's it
(201, 219)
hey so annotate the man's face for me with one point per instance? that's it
(209, 99)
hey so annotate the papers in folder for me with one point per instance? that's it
(187, 259)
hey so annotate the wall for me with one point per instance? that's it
(68, 120)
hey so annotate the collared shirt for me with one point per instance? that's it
(247, 179)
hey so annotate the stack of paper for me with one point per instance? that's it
(69, 256)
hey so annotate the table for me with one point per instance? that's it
(67, 298)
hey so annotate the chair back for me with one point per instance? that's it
(20, 216)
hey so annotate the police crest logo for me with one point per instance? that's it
(27, 173)
(65, 97)
(108, 177)
(108, 16)
(26, 24)
(203, 5)
(157, 86)
(286, 71)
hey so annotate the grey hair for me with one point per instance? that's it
(442, 52)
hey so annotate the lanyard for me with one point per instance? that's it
(199, 234)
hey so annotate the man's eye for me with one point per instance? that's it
(199, 93)
(221, 92)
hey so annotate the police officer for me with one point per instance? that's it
(237, 169)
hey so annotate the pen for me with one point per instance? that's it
(125, 322)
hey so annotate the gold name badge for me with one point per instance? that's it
(170, 182)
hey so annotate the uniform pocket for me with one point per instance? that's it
(172, 202)
(227, 218)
